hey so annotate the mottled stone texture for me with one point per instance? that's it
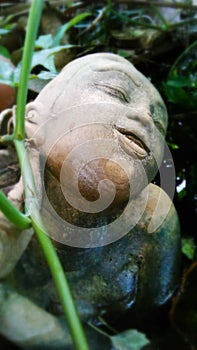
(94, 99)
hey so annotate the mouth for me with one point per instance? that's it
(132, 144)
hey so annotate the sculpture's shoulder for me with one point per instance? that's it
(159, 243)
(160, 211)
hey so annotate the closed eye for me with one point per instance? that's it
(116, 92)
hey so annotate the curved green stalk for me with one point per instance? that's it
(190, 47)
(62, 286)
(14, 215)
(73, 321)
(32, 27)
(52, 259)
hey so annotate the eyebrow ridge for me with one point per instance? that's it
(114, 91)
(116, 70)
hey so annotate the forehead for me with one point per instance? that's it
(100, 77)
(114, 72)
(104, 66)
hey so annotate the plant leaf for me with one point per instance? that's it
(45, 57)
(3, 31)
(179, 96)
(44, 41)
(131, 339)
(45, 75)
(173, 145)
(6, 73)
(179, 81)
(4, 52)
(188, 247)
(65, 27)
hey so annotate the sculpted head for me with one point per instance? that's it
(100, 119)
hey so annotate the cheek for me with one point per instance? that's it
(158, 146)
(106, 178)
(112, 177)
(106, 173)
(88, 170)
(75, 149)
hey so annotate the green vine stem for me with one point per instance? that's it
(14, 215)
(52, 259)
(32, 27)
(180, 57)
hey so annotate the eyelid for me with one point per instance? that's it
(114, 91)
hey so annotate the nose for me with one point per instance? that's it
(140, 115)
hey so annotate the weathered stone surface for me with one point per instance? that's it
(99, 119)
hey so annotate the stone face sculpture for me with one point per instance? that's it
(95, 136)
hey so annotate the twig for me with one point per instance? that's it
(177, 5)
(94, 23)
(190, 47)
(163, 27)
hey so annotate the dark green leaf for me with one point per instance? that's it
(179, 96)
(4, 52)
(179, 81)
(173, 145)
(125, 53)
(182, 193)
(188, 247)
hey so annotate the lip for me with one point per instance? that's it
(131, 143)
